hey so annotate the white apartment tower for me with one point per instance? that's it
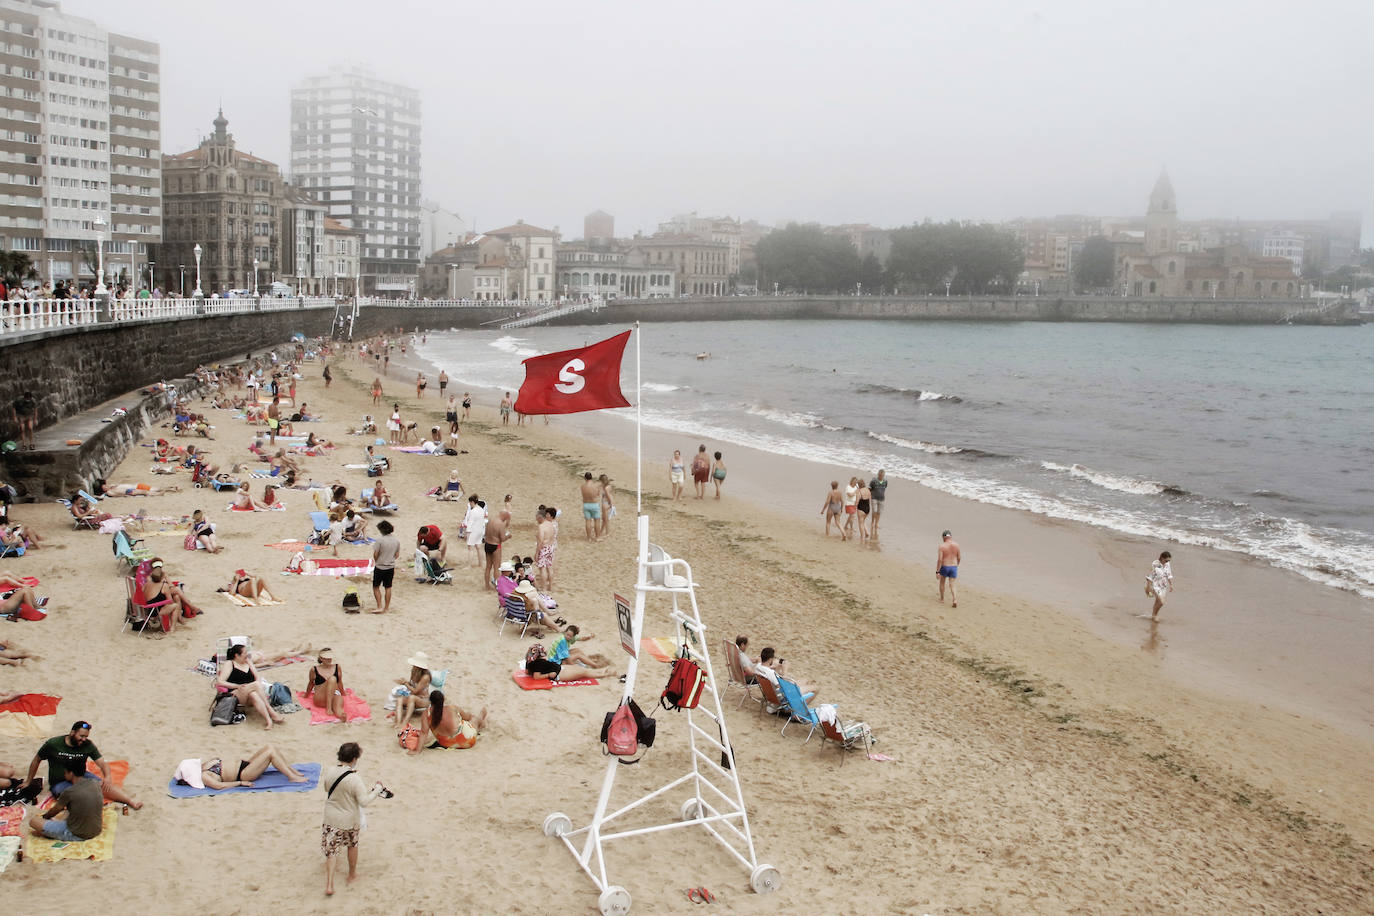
(80, 143)
(355, 146)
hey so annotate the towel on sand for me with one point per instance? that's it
(355, 707)
(101, 849)
(660, 647)
(31, 715)
(269, 781)
(9, 845)
(337, 566)
(525, 682)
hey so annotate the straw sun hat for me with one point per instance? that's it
(419, 660)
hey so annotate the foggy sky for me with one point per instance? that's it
(872, 111)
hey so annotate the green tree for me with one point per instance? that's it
(871, 273)
(971, 258)
(16, 267)
(803, 258)
(1095, 267)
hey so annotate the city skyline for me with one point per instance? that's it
(776, 112)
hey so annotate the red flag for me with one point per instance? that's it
(572, 381)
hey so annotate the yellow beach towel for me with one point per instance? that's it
(101, 849)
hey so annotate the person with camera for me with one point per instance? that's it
(343, 812)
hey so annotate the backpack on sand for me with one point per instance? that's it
(351, 604)
(685, 684)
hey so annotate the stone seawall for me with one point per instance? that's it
(954, 308)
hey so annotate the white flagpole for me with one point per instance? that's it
(639, 431)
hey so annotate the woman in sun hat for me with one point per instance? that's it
(412, 694)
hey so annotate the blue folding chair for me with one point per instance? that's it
(513, 611)
(126, 551)
(321, 522)
(797, 709)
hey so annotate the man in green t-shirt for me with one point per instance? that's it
(77, 813)
(75, 748)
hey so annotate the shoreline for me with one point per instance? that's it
(1002, 789)
(1237, 627)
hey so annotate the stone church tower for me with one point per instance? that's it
(1161, 218)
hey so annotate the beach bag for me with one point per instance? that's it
(685, 684)
(222, 713)
(190, 542)
(626, 729)
(409, 738)
(279, 695)
(351, 604)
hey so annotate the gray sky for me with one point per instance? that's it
(876, 111)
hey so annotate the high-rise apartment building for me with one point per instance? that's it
(355, 146)
(80, 145)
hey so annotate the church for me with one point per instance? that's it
(1159, 266)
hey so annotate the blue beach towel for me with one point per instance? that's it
(270, 781)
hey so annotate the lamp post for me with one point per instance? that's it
(151, 277)
(197, 292)
(775, 290)
(860, 290)
(948, 284)
(255, 277)
(100, 288)
(182, 268)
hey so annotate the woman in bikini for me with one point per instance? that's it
(135, 489)
(376, 390)
(467, 404)
(204, 532)
(832, 506)
(415, 689)
(218, 775)
(248, 586)
(239, 677)
(325, 685)
(244, 501)
(450, 725)
(603, 524)
(158, 587)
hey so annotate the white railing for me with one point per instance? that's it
(150, 309)
(458, 303)
(22, 315)
(551, 313)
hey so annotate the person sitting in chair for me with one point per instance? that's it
(157, 587)
(82, 510)
(380, 498)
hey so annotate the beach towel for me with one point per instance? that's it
(12, 820)
(409, 449)
(263, 474)
(9, 845)
(337, 566)
(297, 545)
(269, 781)
(355, 707)
(273, 508)
(31, 715)
(525, 682)
(100, 849)
(661, 648)
(243, 601)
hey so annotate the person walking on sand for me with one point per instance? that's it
(718, 472)
(376, 390)
(421, 383)
(443, 382)
(851, 502)
(505, 410)
(591, 505)
(701, 470)
(497, 532)
(1159, 582)
(831, 508)
(878, 488)
(677, 474)
(862, 507)
(273, 419)
(947, 566)
(384, 555)
(343, 805)
(603, 526)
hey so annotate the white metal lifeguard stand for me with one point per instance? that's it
(712, 799)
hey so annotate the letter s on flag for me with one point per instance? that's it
(572, 381)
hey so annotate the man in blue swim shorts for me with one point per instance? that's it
(591, 504)
(947, 566)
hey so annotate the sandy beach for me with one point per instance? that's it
(1050, 754)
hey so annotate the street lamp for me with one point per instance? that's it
(255, 276)
(197, 292)
(948, 284)
(182, 268)
(100, 288)
(860, 290)
(775, 290)
(151, 278)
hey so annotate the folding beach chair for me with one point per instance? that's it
(80, 524)
(846, 737)
(773, 702)
(138, 613)
(321, 522)
(429, 571)
(513, 611)
(797, 709)
(738, 677)
(126, 550)
(7, 550)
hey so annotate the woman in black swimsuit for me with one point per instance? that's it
(467, 404)
(325, 684)
(212, 772)
(239, 677)
(861, 508)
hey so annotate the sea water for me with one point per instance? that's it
(1258, 440)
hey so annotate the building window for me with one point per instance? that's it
(1152, 286)
(1206, 285)
(1171, 268)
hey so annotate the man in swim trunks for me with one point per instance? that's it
(591, 504)
(547, 548)
(505, 410)
(273, 419)
(701, 470)
(947, 566)
(494, 535)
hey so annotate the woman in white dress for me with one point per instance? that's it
(394, 424)
(475, 524)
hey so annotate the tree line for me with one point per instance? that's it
(924, 258)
